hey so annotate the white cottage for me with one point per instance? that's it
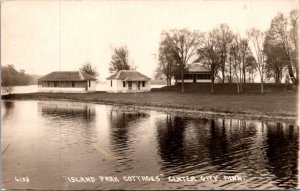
(126, 81)
(67, 82)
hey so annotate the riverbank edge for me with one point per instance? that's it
(180, 110)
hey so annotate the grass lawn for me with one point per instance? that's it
(283, 104)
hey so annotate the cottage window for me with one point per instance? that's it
(124, 84)
(110, 83)
(203, 76)
(188, 76)
(73, 84)
(143, 84)
(207, 76)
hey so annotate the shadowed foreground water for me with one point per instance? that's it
(50, 145)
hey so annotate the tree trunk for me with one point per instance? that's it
(277, 75)
(261, 85)
(290, 65)
(291, 73)
(290, 68)
(238, 84)
(241, 79)
(230, 70)
(223, 74)
(182, 81)
(212, 90)
(297, 76)
(244, 74)
(241, 87)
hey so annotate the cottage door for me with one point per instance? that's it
(129, 85)
(139, 85)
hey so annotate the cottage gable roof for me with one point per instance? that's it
(197, 68)
(128, 75)
(67, 76)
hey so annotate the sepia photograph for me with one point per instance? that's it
(150, 95)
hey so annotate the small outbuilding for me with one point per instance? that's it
(126, 81)
(195, 73)
(67, 82)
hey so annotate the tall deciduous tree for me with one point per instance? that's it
(239, 52)
(256, 45)
(245, 52)
(224, 39)
(294, 24)
(237, 65)
(182, 47)
(275, 61)
(89, 69)
(231, 60)
(120, 60)
(250, 67)
(167, 60)
(283, 35)
(209, 54)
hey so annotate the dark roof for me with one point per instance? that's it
(128, 75)
(67, 76)
(197, 68)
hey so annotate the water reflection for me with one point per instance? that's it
(122, 123)
(228, 147)
(69, 131)
(282, 147)
(7, 109)
(122, 134)
(67, 110)
(171, 141)
(86, 139)
(218, 144)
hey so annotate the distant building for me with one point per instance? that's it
(67, 82)
(126, 81)
(195, 73)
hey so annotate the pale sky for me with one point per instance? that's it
(32, 39)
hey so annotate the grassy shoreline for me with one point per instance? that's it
(269, 106)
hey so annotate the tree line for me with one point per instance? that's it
(271, 54)
(10, 76)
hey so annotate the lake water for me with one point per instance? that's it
(52, 145)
